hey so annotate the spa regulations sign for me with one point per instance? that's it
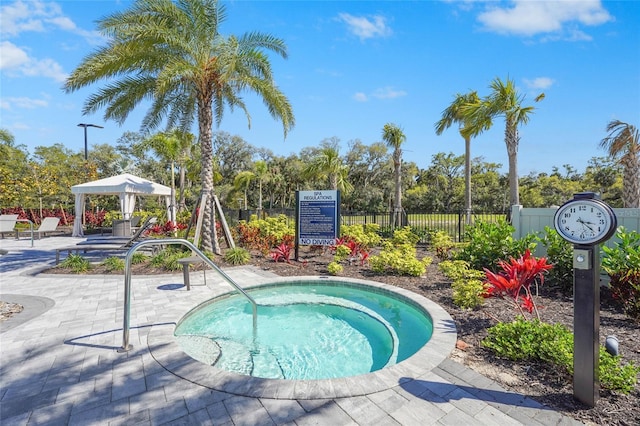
(317, 218)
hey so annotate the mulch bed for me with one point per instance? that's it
(542, 382)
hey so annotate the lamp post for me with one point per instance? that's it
(85, 135)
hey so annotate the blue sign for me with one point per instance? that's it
(317, 221)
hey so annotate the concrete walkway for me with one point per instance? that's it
(60, 362)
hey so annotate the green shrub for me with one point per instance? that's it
(167, 259)
(76, 263)
(265, 234)
(468, 294)
(334, 268)
(399, 259)
(622, 263)
(560, 255)
(459, 269)
(489, 242)
(468, 287)
(138, 258)
(443, 244)
(237, 256)
(538, 341)
(113, 264)
(366, 235)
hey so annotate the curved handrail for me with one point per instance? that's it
(127, 283)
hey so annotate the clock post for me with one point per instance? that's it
(586, 221)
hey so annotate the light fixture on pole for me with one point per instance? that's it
(85, 135)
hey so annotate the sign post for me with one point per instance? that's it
(317, 218)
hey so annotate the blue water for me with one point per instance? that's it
(305, 332)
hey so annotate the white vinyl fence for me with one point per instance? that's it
(533, 220)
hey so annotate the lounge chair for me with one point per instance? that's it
(108, 243)
(8, 223)
(49, 224)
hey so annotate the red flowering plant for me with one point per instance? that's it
(282, 253)
(515, 279)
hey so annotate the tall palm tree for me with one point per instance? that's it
(468, 129)
(504, 101)
(393, 136)
(623, 143)
(173, 53)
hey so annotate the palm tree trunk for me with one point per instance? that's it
(512, 139)
(467, 179)
(205, 122)
(397, 210)
(631, 186)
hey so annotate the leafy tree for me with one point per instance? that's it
(14, 171)
(454, 113)
(394, 138)
(504, 101)
(623, 143)
(174, 54)
(368, 173)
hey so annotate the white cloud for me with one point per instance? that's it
(38, 16)
(540, 83)
(364, 28)
(528, 18)
(11, 56)
(24, 103)
(381, 93)
(15, 61)
(360, 97)
(388, 93)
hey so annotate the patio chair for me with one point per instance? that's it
(8, 223)
(108, 243)
(49, 224)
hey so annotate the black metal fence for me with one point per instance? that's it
(422, 223)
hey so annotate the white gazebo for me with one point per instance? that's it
(126, 186)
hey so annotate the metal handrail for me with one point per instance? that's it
(127, 284)
(30, 227)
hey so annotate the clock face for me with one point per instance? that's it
(585, 221)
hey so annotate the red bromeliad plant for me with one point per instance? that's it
(282, 252)
(515, 279)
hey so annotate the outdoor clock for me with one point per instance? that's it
(585, 220)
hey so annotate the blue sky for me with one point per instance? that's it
(354, 66)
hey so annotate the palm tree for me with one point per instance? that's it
(623, 143)
(173, 53)
(242, 181)
(394, 138)
(327, 164)
(504, 101)
(262, 174)
(173, 146)
(468, 129)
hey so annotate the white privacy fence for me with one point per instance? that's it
(533, 220)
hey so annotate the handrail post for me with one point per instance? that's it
(126, 346)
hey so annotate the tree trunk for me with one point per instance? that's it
(397, 210)
(205, 121)
(631, 183)
(512, 139)
(467, 179)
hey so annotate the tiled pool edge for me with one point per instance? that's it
(168, 353)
